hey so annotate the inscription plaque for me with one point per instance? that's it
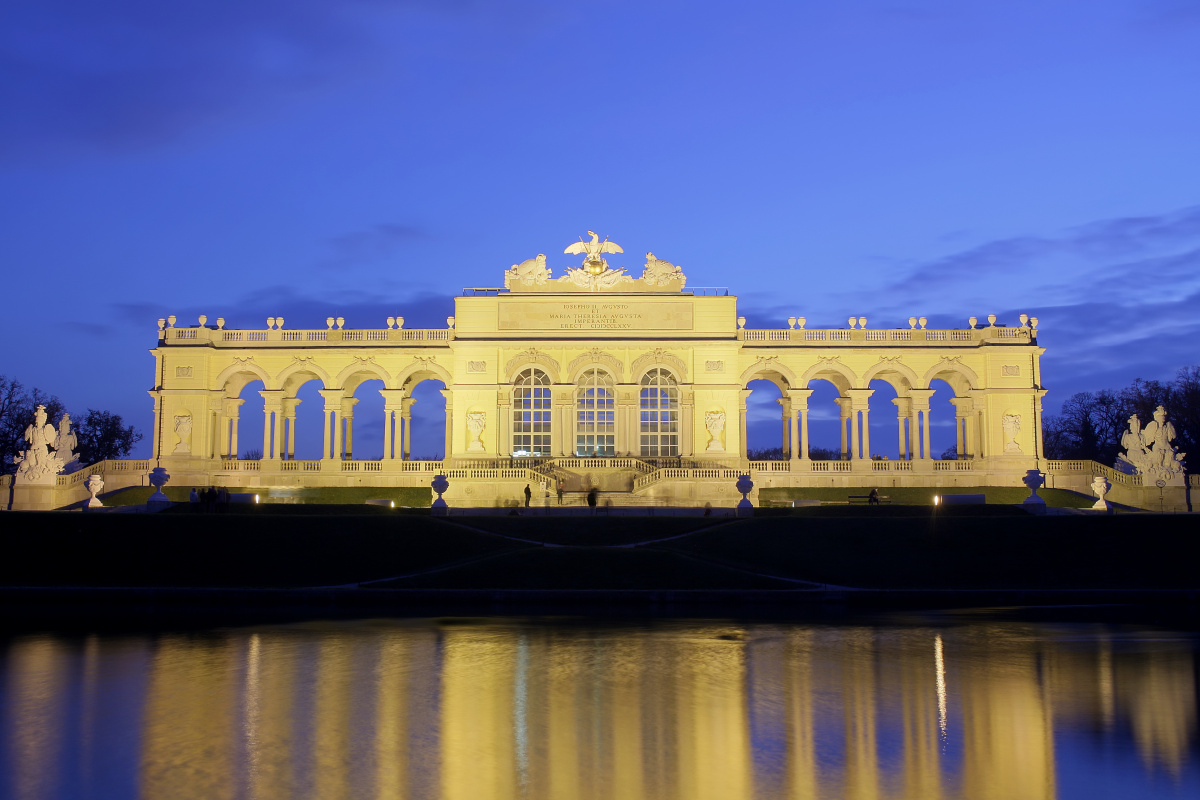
(607, 315)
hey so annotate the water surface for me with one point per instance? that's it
(560, 709)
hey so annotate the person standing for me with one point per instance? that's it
(561, 486)
(528, 494)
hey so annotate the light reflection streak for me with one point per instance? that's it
(940, 664)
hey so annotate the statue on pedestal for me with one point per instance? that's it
(1149, 450)
(37, 464)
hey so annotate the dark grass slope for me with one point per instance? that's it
(1098, 552)
(953, 548)
(589, 568)
(228, 550)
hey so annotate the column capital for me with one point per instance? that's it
(920, 398)
(799, 395)
(272, 398)
(331, 394)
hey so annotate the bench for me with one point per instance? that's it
(866, 498)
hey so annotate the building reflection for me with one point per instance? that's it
(495, 709)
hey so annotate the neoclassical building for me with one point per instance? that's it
(634, 385)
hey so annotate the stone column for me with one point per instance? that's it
(565, 424)
(920, 408)
(843, 404)
(860, 404)
(449, 449)
(393, 400)
(332, 404)
(233, 407)
(963, 440)
(687, 432)
(801, 397)
(786, 444)
(289, 419)
(745, 445)
(903, 414)
(504, 422)
(799, 419)
(348, 404)
(406, 427)
(623, 419)
(272, 423)
(216, 420)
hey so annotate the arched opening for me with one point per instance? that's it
(247, 442)
(595, 415)
(658, 406)
(942, 421)
(305, 428)
(426, 421)
(827, 422)
(363, 436)
(765, 421)
(885, 423)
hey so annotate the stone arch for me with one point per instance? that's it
(887, 369)
(422, 369)
(658, 357)
(961, 378)
(769, 369)
(832, 370)
(242, 368)
(596, 358)
(532, 358)
(352, 376)
(302, 367)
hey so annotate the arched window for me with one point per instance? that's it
(531, 414)
(660, 414)
(595, 428)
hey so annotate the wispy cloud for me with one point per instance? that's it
(370, 245)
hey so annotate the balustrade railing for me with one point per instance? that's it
(884, 336)
(220, 337)
(110, 466)
(1085, 467)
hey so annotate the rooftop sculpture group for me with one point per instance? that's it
(594, 274)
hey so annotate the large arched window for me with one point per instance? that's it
(660, 414)
(595, 429)
(531, 414)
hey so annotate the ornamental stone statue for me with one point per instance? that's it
(530, 272)
(660, 273)
(37, 464)
(715, 422)
(475, 424)
(1149, 450)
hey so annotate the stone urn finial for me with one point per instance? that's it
(158, 479)
(1100, 487)
(745, 485)
(439, 484)
(791, 322)
(1034, 479)
(912, 322)
(94, 484)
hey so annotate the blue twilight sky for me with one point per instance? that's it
(367, 158)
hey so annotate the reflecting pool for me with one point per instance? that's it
(978, 707)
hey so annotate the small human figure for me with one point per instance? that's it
(194, 501)
(528, 494)
(591, 499)
(873, 498)
(561, 487)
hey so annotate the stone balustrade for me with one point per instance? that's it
(885, 337)
(276, 337)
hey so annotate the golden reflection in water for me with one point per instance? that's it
(509, 710)
(36, 687)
